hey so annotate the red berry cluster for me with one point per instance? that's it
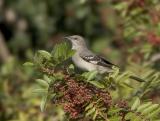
(75, 95)
(72, 109)
(105, 97)
(153, 38)
(140, 3)
(155, 17)
(136, 3)
(122, 104)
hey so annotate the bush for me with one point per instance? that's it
(89, 95)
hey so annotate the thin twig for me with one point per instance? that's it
(4, 52)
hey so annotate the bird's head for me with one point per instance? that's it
(77, 41)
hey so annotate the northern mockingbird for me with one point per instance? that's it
(87, 60)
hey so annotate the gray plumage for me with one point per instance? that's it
(85, 59)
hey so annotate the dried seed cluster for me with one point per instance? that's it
(75, 96)
(124, 105)
(105, 97)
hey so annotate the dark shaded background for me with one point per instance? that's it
(123, 31)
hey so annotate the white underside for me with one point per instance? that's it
(84, 65)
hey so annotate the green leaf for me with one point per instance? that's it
(136, 11)
(70, 53)
(42, 83)
(45, 54)
(150, 109)
(71, 69)
(60, 113)
(135, 104)
(121, 6)
(97, 84)
(92, 75)
(154, 114)
(40, 91)
(115, 118)
(42, 58)
(115, 72)
(130, 116)
(89, 106)
(91, 111)
(28, 64)
(51, 96)
(144, 106)
(71, 66)
(95, 115)
(62, 52)
(136, 118)
(114, 110)
(122, 77)
(124, 84)
(129, 32)
(43, 102)
(46, 78)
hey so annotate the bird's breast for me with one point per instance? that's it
(82, 64)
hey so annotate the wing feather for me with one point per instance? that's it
(97, 60)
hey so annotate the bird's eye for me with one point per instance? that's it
(75, 38)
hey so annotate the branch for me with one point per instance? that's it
(155, 57)
(4, 52)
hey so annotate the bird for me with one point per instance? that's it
(87, 60)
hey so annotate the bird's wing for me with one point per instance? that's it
(97, 60)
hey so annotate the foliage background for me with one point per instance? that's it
(123, 31)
